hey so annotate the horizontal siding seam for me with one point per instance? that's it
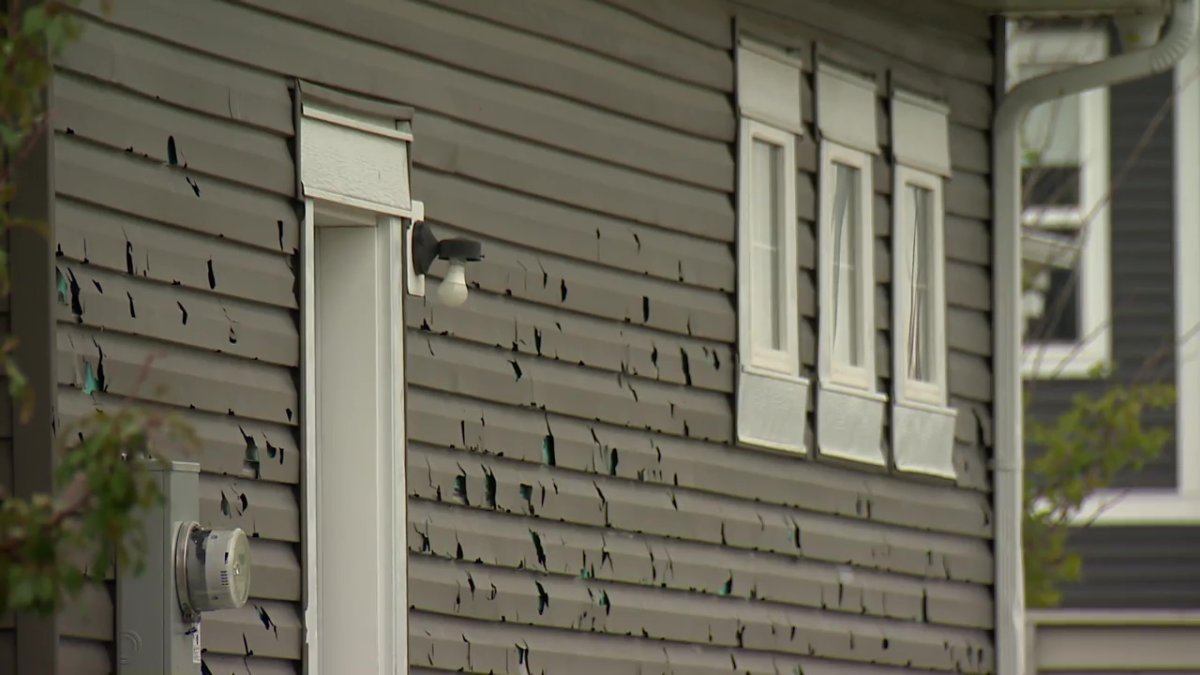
(509, 81)
(594, 52)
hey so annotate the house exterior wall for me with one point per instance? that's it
(577, 503)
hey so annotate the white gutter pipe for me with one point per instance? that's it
(1006, 236)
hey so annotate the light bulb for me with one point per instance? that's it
(452, 292)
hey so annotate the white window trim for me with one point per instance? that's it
(355, 601)
(909, 390)
(770, 362)
(851, 379)
(772, 397)
(1079, 359)
(1181, 505)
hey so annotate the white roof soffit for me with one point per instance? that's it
(1069, 8)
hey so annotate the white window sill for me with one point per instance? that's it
(1062, 361)
(923, 438)
(772, 410)
(850, 423)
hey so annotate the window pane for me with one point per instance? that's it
(767, 253)
(1051, 292)
(1050, 132)
(847, 330)
(1050, 186)
(919, 206)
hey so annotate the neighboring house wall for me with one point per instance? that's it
(572, 478)
(1142, 262)
(1129, 642)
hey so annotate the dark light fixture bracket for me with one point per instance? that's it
(426, 248)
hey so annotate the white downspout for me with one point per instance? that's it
(1006, 236)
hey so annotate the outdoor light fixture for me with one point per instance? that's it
(426, 248)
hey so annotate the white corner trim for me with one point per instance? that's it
(850, 424)
(1187, 271)
(772, 410)
(309, 496)
(768, 86)
(846, 106)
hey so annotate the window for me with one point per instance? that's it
(849, 409)
(919, 287)
(771, 396)
(768, 209)
(1064, 177)
(849, 232)
(922, 423)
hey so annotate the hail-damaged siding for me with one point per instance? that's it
(176, 232)
(576, 501)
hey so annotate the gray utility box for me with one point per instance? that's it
(189, 570)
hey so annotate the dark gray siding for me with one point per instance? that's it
(191, 266)
(1137, 567)
(575, 502)
(1143, 261)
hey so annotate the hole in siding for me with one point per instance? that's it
(543, 597)
(727, 587)
(99, 288)
(741, 637)
(193, 184)
(244, 502)
(471, 583)
(279, 225)
(489, 488)
(563, 289)
(251, 461)
(687, 366)
(613, 459)
(183, 312)
(132, 309)
(212, 276)
(64, 289)
(645, 308)
(129, 257)
(460, 488)
(172, 155)
(226, 509)
(538, 549)
(76, 303)
(232, 336)
(246, 645)
(516, 369)
(289, 414)
(537, 340)
(548, 450)
(885, 643)
(605, 602)
(204, 668)
(527, 494)
(637, 240)
(265, 618)
(458, 551)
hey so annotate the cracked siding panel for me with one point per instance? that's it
(494, 429)
(571, 551)
(96, 175)
(125, 304)
(104, 239)
(453, 147)
(518, 379)
(600, 292)
(91, 360)
(607, 30)
(545, 226)
(507, 323)
(221, 439)
(361, 65)
(202, 144)
(143, 65)
(475, 481)
(519, 597)
(462, 644)
(493, 50)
